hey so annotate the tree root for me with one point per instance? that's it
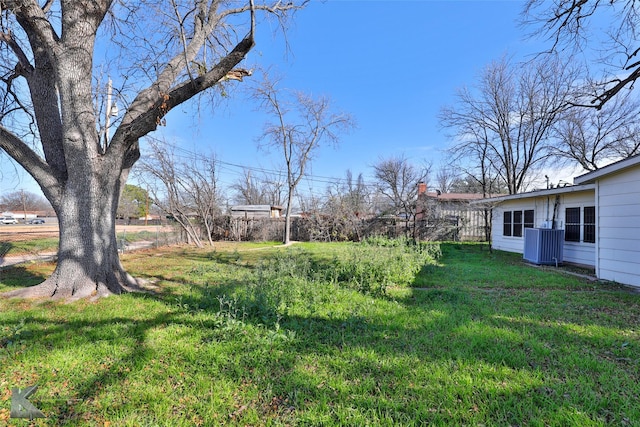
(49, 289)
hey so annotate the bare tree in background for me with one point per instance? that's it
(53, 58)
(357, 194)
(595, 137)
(301, 125)
(23, 200)
(397, 180)
(472, 159)
(445, 178)
(259, 189)
(609, 29)
(247, 190)
(340, 215)
(187, 190)
(504, 125)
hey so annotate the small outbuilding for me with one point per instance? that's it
(256, 211)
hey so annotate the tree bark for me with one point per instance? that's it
(82, 178)
(88, 261)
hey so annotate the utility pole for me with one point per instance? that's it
(24, 206)
(111, 111)
(146, 213)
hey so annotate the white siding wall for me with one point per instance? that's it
(619, 227)
(576, 252)
(510, 243)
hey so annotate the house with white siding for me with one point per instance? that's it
(600, 216)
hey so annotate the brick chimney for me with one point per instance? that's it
(422, 188)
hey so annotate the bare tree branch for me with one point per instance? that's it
(505, 127)
(577, 25)
(163, 52)
(298, 138)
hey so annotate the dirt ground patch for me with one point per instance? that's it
(20, 233)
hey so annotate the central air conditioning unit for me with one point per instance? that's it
(543, 246)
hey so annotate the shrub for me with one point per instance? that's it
(297, 281)
(372, 268)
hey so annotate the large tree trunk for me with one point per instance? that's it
(88, 262)
(80, 174)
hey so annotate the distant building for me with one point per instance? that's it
(256, 211)
(449, 215)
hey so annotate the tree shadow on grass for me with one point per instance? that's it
(19, 277)
(5, 247)
(362, 361)
(406, 363)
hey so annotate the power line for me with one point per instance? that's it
(320, 179)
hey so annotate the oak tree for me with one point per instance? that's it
(54, 54)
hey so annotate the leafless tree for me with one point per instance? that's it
(264, 189)
(301, 125)
(608, 29)
(54, 54)
(357, 194)
(595, 137)
(186, 189)
(23, 200)
(247, 190)
(445, 178)
(475, 165)
(339, 216)
(397, 180)
(503, 127)
(481, 177)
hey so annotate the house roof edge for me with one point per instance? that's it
(538, 193)
(592, 176)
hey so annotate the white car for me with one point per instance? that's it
(8, 220)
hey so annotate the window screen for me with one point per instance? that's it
(589, 226)
(572, 225)
(517, 223)
(528, 218)
(506, 228)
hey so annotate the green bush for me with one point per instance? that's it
(372, 268)
(369, 268)
(297, 281)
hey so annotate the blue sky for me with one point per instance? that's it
(391, 64)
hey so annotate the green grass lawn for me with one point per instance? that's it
(328, 334)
